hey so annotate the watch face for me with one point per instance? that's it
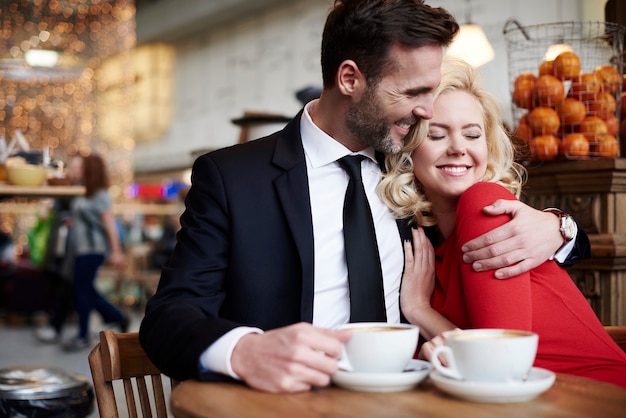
(569, 227)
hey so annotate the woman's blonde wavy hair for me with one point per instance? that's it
(399, 188)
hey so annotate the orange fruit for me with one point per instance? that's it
(544, 147)
(523, 130)
(602, 105)
(571, 111)
(523, 90)
(546, 68)
(548, 91)
(610, 76)
(565, 130)
(574, 146)
(606, 147)
(585, 86)
(544, 121)
(566, 65)
(622, 128)
(612, 124)
(592, 127)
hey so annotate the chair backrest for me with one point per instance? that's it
(120, 358)
(618, 333)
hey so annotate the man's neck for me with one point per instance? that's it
(329, 114)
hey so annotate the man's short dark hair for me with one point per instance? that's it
(365, 30)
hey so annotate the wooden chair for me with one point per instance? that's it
(120, 357)
(618, 333)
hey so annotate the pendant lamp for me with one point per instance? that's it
(471, 44)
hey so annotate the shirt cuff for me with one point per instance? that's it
(216, 358)
(563, 252)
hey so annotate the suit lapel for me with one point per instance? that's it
(292, 188)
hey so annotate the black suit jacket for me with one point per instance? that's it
(244, 254)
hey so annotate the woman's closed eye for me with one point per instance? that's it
(436, 137)
(473, 135)
(470, 136)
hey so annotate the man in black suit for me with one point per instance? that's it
(258, 279)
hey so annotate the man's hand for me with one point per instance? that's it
(290, 359)
(529, 239)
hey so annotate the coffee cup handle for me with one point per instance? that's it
(451, 370)
(343, 362)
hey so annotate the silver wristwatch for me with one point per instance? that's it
(568, 229)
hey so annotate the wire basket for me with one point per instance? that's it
(588, 75)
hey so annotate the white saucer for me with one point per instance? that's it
(415, 372)
(539, 380)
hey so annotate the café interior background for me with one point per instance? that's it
(183, 71)
(171, 79)
(236, 56)
(181, 75)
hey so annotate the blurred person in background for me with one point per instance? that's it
(59, 287)
(58, 279)
(93, 239)
(7, 265)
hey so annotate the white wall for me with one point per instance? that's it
(259, 63)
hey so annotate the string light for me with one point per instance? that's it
(56, 103)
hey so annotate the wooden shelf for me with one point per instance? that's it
(8, 190)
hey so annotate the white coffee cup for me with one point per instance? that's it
(487, 355)
(378, 347)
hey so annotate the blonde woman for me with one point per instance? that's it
(454, 165)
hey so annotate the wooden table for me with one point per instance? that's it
(570, 396)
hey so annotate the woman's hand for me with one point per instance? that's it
(418, 280)
(428, 347)
(418, 284)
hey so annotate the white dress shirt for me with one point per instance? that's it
(327, 187)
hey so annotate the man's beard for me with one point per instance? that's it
(365, 122)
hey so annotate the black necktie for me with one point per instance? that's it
(365, 278)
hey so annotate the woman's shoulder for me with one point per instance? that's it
(102, 198)
(471, 221)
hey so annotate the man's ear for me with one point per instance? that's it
(350, 80)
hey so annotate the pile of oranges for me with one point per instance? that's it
(570, 113)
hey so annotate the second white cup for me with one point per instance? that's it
(487, 355)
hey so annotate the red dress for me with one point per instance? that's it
(546, 300)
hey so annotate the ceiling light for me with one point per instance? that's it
(472, 46)
(41, 57)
